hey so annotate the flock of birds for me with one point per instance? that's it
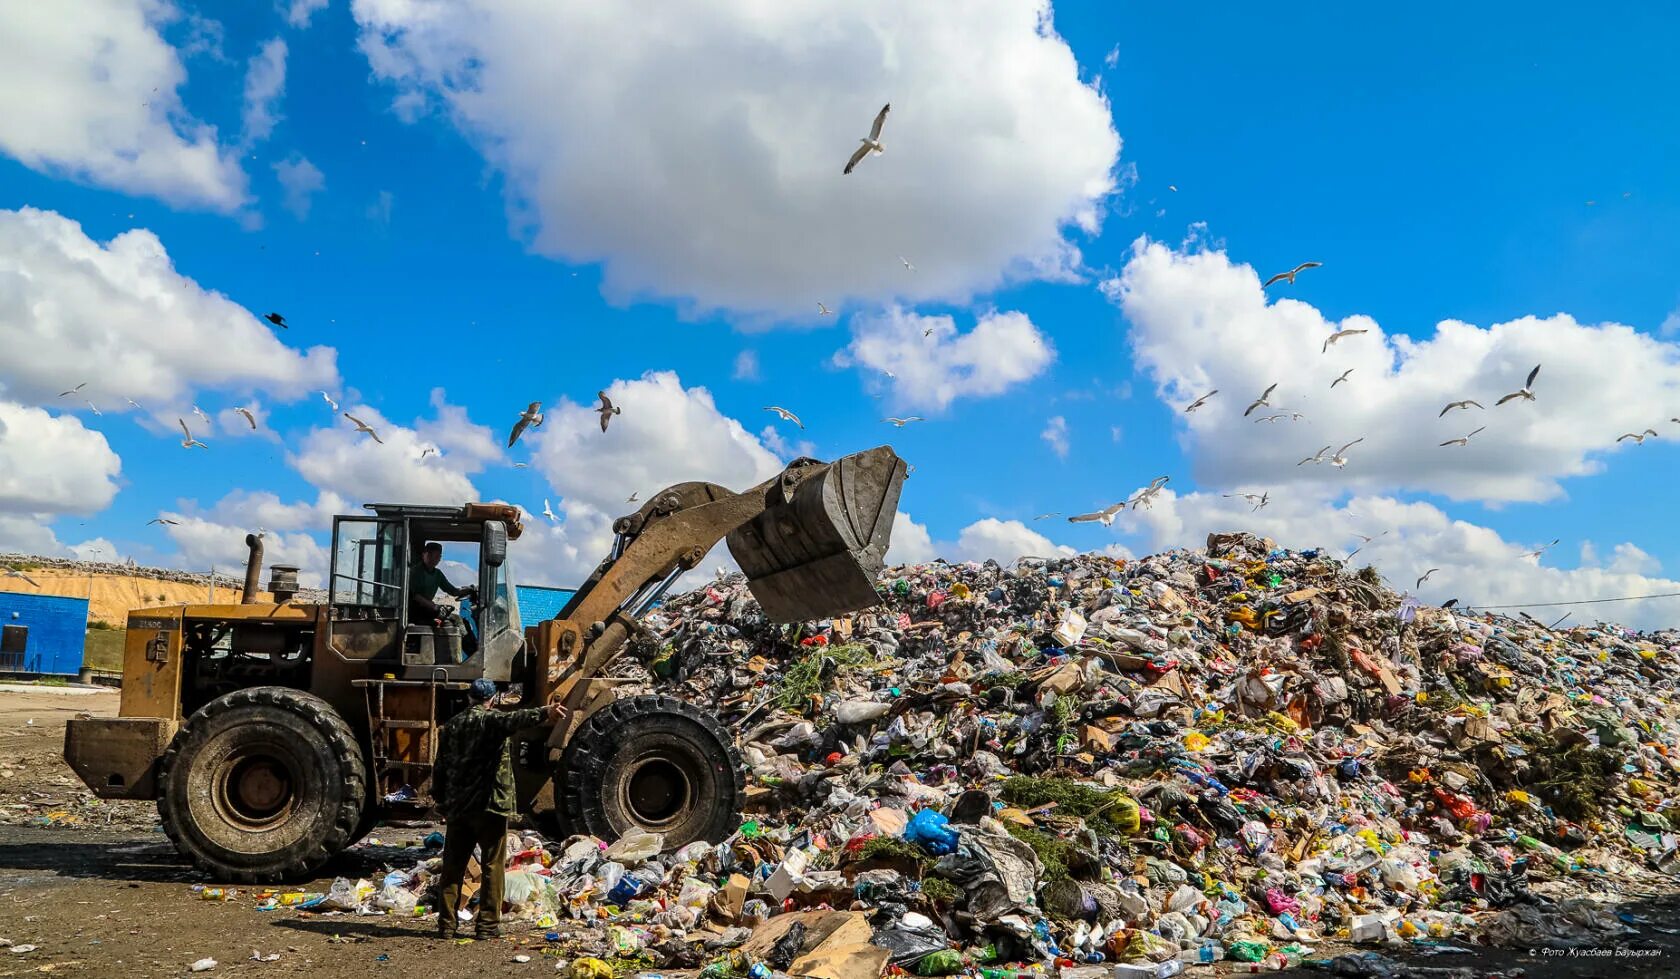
(871, 145)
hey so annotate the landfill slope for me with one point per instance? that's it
(1238, 748)
(1237, 757)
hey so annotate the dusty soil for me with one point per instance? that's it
(101, 892)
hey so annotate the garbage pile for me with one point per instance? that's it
(1130, 768)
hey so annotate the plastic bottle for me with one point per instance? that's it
(1202, 954)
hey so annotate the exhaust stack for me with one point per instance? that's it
(253, 569)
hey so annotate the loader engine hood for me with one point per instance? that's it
(815, 550)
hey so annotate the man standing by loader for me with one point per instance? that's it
(472, 786)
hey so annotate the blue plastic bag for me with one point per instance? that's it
(930, 830)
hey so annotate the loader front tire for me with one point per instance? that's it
(262, 785)
(652, 763)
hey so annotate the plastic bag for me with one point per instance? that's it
(930, 830)
(397, 900)
(860, 711)
(635, 846)
(346, 895)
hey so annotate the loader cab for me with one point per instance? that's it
(375, 558)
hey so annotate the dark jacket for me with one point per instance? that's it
(474, 771)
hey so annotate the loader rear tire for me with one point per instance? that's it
(262, 785)
(652, 763)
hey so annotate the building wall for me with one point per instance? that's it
(57, 631)
(537, 602)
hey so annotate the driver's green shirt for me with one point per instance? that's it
(425, 582)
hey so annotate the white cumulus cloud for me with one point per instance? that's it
(727, 192)
(1200, 322)
(928, 362)
(92, 95)
(398, 468)
(667, 434)
(987, 539)
(51, 464)
(122, 319)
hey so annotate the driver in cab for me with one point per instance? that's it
(425, 580)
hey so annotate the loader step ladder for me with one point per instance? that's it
(403, 737)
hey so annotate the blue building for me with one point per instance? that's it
(42, 633)
(538, 602)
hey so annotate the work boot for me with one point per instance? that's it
(488, 931)
(447, 934)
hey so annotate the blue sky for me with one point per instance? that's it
(512, 208)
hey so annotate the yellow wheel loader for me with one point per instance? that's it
(275, 733)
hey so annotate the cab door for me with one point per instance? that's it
(368, 591)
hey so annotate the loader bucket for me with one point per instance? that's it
(816, 554)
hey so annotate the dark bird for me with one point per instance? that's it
(607, 409)
(277, 320)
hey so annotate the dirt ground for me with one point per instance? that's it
(99, 890)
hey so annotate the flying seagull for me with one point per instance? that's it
(1047, 516)
(66, 394)
(1458, 404)
(163, 520)
(1293, 416)
(908, 267)
(248, 417)
(1292, 273)
(1105, 516)
(901, 422)
(823, 310)
(1425, 577)
(1339, 459)
(1146, 496)
(134, 404)
(1527, 392)
(1261, 402)
(1192, 406)
(362, 426)
(1257, 499)
(631, 498)
(330, 402)
(1315, 458)
(531, 416)
(1368, 539)
(1463, 439)
(785, 414)
(15, 573)
(428, 450)
(1339, 335)
(607, 409)
(521, 465)
(95, 409)
(276, 319)
(1536, 553)
(200, 413)
(548, 511)
(187, 441)
(871, 143)
(1342, 378)
(1639, 437)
